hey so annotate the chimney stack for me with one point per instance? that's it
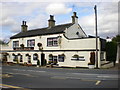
(24, 26)
(74, 18)
(51, 21)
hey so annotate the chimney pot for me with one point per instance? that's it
(25, 22)
(22, 22)
(51, 21)
(74, 18)
(51, 17)
(24, 26)
(74, 13)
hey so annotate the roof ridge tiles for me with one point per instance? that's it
(43, 31)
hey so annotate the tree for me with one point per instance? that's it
(2, 42)
(116, 39)
(111, 51)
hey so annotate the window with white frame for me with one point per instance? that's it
(31, 43)
(15, 58)
(21, 58)
(15, 44)
(52, 41)
(35, 56)
(52, 59)
(61, 58)
(29, 59)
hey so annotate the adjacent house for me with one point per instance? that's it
(65, 45)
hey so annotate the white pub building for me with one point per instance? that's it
(65, 45)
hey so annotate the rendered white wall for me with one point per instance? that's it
(71, 32)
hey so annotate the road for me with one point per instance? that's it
(34, 77)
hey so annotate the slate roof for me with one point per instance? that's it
(43, 31)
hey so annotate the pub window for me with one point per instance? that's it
(61, 58)
(21, 58)
(35, 57)
(55, 58)
(29, 59)
(31, 43)
(52, 41)
(15, 44)
(15, 58)
(50, 57)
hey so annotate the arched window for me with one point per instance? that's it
(35, 56)
(50, 57)
(21, 58)
(27, 54)
(29, 59)
(61, 58)
(15, 57)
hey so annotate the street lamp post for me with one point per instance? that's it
(96, 58)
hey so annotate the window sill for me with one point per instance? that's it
(52, 46)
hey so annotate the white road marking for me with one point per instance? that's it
(83, 74)
(98, 82)
(58, 77)
(106, 76)
(96, 75)
(21, 74)
(28, 70)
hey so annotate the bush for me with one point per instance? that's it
(38, 62)
(49, 62)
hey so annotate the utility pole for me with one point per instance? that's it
(96, 58)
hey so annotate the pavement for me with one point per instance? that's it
(116, 67)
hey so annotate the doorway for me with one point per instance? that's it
(43, 61)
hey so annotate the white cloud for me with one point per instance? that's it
(7, 21)
(36, 15)
(57, 8)
(13, 14)
(87, 23)
(107, 20)
(60, 0)
(39, 21)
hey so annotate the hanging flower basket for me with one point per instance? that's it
(63, 54)
(39, 44)
(13, 54)
(22, 45)
(27, 54)
(36, 54)
(50, 55)
(19, 54)
(75, 56)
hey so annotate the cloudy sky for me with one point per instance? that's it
(36, 13)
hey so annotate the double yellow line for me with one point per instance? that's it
(9, 86)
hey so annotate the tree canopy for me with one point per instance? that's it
(2, 42)
(116, 39)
